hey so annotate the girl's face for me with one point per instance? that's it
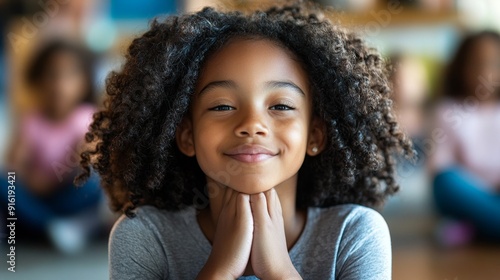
(483, 61)
(63, 83)
(251, 123)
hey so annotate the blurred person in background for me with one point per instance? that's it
(411, 87)
(466, 159)
(44, 149)
(410, 95)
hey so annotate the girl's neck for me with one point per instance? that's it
(294, 219)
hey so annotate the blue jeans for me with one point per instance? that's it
(35, 213)
(459, 195)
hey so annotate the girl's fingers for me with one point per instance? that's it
(276, 203)
(244, 209)
(232, 203)
(227, 195)
(270, 199)
(273, 203)
(258, 204)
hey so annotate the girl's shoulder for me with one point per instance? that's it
(148, 217)
(141, 247)
(345, 241)
(352, 218)
(346, 213)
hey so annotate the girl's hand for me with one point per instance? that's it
(232, 240)
(269, 258)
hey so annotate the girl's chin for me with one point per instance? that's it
(250, 184)
(251, 189)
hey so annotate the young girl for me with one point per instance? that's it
(44, 148)
(467, 160)
(241, 145)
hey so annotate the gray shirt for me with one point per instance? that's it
(340, 242)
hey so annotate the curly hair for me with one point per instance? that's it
(136, 153)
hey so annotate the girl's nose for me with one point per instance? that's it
(252, 124)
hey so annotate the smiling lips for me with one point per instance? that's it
(250, 153)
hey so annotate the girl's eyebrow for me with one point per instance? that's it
(225, 84)
(269, 85)
(284, 84)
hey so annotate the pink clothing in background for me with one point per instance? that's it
(471, 139)
(52, 144)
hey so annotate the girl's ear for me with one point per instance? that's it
(184, 137)
(316, 140)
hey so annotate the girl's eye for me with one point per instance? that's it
(281, 107)
(221, 108)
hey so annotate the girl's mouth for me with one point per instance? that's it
(250, 153)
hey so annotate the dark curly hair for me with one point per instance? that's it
(136, 153)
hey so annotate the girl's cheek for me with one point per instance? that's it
(294, 133)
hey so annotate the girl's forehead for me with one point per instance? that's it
(254, 42)
(253, 59)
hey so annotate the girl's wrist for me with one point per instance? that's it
(288, 276)
(210, 274)
(290, 273)
(212, 270)
(294, 276)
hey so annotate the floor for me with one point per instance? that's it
(416, 256)
(41, 262)
(425, 261)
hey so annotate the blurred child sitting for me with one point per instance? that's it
(44, 151)
(466, 161)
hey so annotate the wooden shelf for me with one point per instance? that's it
(406, 17)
